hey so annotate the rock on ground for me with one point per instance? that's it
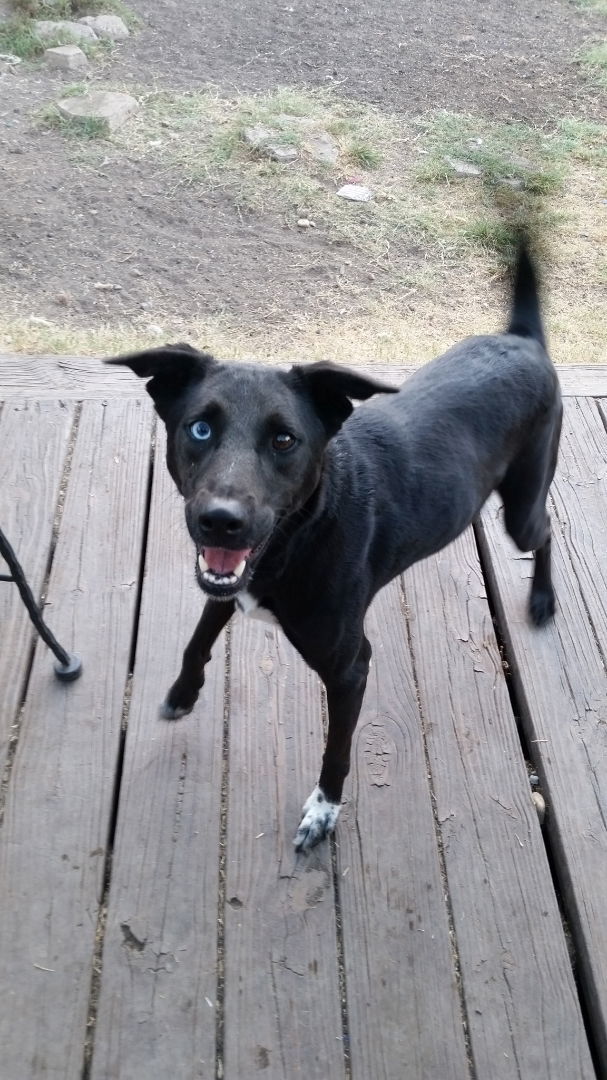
(109, 109)
(108, 27)
(322, 148)
(48, 29)
(66, 58)
(355, 192)
(267, 142)
(463, 168)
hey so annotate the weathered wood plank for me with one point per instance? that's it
(405, 1018)
(157, 1006)
(524, 1017)
(59, 800)
(579, 501)
(282, 1005)
(561, 682)
(86, 377)
(34, 440)
(64, 377)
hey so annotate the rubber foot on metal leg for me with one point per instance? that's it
(70, 671)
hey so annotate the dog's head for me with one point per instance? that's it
(245, 447)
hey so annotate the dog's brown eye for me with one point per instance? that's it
(283, 441)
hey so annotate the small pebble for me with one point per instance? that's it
(305, 223)
(534, 779)
(540, 806)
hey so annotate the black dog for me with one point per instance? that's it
(303, 509)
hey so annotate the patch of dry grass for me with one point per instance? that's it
(436, 240)
(383, 332)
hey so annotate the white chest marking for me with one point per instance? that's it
(250, 607)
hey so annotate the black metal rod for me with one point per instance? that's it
(28, 599)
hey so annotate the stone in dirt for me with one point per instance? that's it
(49, 29)
(108, 27)
(322, 148)
(355, 192)
(463, 168)
(258, 135)
(266, 142)
(279, 152)
(9, 60)
(66, 58)
(514, 182)
(109, 109)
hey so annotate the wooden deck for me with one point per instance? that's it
(155, 923)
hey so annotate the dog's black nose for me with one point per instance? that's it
(222, 519)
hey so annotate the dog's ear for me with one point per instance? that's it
(332, 387)
(170, 369)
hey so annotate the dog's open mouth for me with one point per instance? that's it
(221, 572)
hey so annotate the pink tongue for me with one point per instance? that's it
(222, 561)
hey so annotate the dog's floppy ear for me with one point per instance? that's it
(331, 388)
(170, 369)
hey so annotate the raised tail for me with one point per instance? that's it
(525, 316)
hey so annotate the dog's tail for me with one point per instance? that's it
(525, 315)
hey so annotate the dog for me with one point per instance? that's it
(301, 507)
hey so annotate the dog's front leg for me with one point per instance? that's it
(183, 694)
(345, 692)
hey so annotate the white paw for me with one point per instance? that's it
(319, 819)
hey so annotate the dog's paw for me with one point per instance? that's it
(173, 712)
(179, 701)
(542, 607)
(318, 821)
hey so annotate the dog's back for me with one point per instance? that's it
(467, 423)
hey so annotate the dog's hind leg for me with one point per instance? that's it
(345, 694)
(183, 694)
(524, 491)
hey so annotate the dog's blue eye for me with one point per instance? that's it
(283, 441)
(200, 431)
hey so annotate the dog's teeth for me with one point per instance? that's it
(239, 570)
(203, 564)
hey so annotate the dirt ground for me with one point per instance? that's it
(175, 248)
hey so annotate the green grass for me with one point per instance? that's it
(582, 141)
(85, 127)
(597, 6)
(594, 60)
(363, 155)
(75, 9)
(534, 158)
(18, 36)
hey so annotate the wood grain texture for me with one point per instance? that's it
(157, 1005)
(579, 505)
(86, 377)
(282, 1006)
(59, 801)
(524, 1018)
(405, 1018)
(561, 683)
(33, 440)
